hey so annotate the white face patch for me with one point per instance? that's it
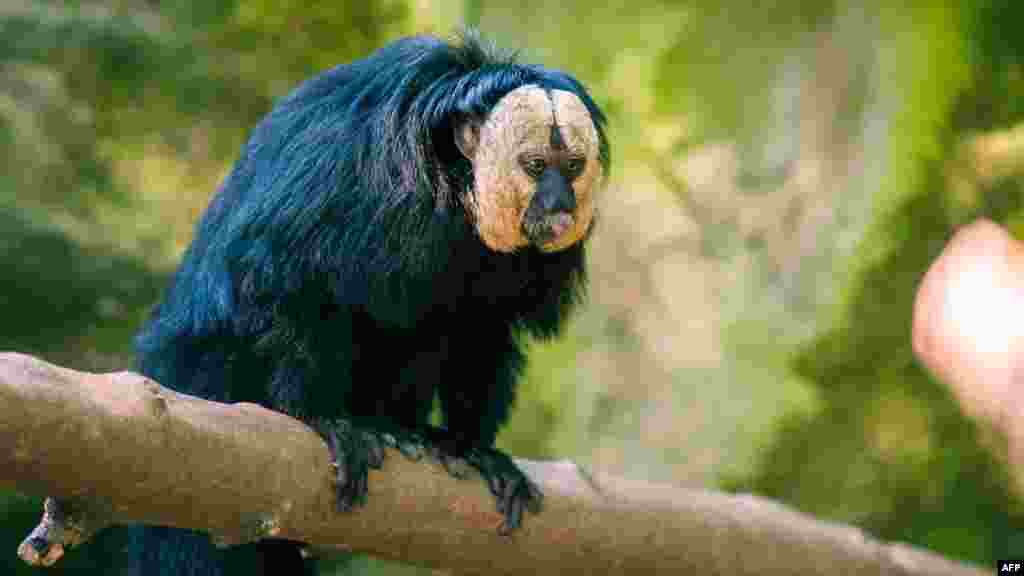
(519, 127)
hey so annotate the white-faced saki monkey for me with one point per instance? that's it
(390, 232)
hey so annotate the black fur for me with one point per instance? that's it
(337, 273)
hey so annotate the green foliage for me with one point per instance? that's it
(102, 71)
(296, 38)
(729, 53)
(889, 449)
(219, 63)
(542, 399)
(995, 53)
(110, 293)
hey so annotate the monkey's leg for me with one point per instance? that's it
(357, 444)
(475, 408)
(297, 387)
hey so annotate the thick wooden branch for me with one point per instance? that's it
(118, 448)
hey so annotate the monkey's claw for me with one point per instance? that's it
(411, 444)
(455, 466)
(509, 485)
(353, 452)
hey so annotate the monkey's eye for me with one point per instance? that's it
(574, 166)
(534, 166)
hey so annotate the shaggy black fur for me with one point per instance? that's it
(337, 274)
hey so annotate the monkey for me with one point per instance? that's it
(390, 232)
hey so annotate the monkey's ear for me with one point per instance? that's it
(467, 137)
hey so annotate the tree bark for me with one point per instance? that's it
(118, 448)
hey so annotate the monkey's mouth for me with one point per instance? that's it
(547, 229)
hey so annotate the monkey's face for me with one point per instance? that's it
(536, 170)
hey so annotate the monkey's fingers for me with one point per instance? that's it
(337, 457)
(519, 495)
(374, 449)
(457, 467)
(513, 490)
(513, 512)
(410, 444)
(496, 483)
(353, 452)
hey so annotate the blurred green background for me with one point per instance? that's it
(784, 173)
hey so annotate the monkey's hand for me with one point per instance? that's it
(354, 451)
(514, 491)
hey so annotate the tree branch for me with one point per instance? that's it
(118, 448)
